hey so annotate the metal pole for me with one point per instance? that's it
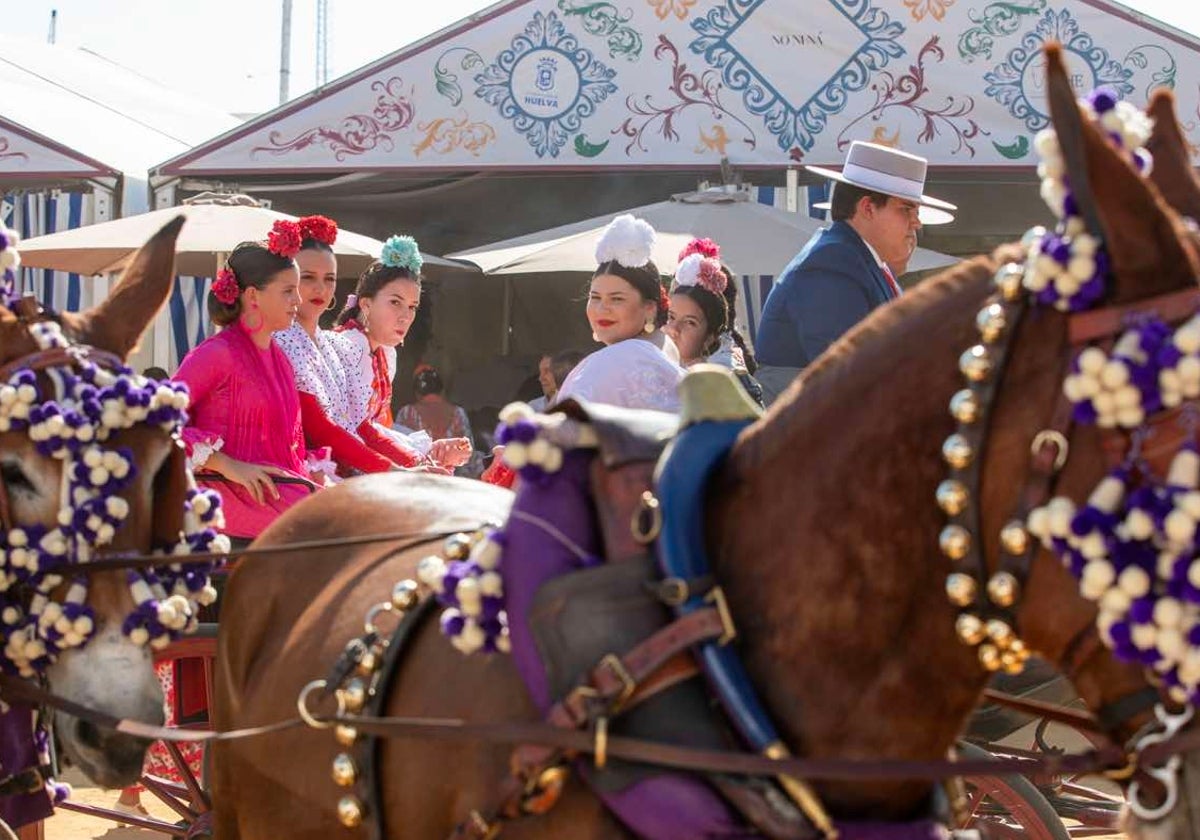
(285, 54)
(506, 316)
(53, 26)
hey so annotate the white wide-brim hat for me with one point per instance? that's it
(891, 172)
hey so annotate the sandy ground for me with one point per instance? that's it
(67, 825)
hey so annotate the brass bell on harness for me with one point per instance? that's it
(367, 664)
(354, 695)
(405, 595)
(991, 322)
(345, 735)
(955, 541)
(1008, 281)
(1014, 538)
(350, 812)
(975, 363)
(1000, 633)
(457, 546)
(989, 657)
(1002, 589)
(957, 451)
(344, 771)
(952, 497)
(970, 629)
(964, 406)
(960, 589)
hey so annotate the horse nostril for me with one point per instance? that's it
(88, 734)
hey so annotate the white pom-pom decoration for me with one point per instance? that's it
(627, 241)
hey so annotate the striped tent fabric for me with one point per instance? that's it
(35, 213)
(754, 288)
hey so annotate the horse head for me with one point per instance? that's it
(863, 524)
(89, 461)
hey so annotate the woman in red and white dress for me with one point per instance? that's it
(373, 323)
(321, 377)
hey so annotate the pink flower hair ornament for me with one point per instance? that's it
(705, 272)
(225, 288)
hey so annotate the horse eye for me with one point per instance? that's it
(14, 477)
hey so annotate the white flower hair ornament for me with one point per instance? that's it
(627, 240)
(702, 271)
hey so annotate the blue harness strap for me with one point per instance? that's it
(681, 486)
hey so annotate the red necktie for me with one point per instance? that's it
(895, 287)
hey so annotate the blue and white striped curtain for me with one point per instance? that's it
(35, 213)
(38, 213)
(755, 287)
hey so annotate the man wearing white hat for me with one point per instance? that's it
(878, 205)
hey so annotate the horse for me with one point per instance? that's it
(826, 544)
(109, 673)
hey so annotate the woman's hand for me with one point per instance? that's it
(451, 452)
(256, 478)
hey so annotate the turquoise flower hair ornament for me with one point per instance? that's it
(402, 252)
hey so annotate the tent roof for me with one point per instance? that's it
(69, 112)
(754, 238)
(764, 83)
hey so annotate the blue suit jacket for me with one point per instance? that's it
(829, 287)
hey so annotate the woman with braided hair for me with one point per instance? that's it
(701, 317)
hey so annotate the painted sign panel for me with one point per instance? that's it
(24, 154)
(589, 83)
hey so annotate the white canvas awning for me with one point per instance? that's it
(755, 239)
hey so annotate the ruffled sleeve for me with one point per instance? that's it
(205, 371)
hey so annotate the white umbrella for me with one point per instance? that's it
(215, 226)
(755, 239)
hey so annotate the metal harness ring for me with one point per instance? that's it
(306, 715)
(1168, 774)
(1061, 445)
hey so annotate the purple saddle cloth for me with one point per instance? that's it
(17, 752)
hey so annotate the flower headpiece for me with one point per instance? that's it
(626, 241)
(699, 270)
(319, 228)
(704, 247)
(225, 288)
(402, 252)
(285, 239)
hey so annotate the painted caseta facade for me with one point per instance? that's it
(680, 83)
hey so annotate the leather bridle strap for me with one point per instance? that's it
(1085, 327)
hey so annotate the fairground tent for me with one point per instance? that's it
(537, 113)
(78, 134)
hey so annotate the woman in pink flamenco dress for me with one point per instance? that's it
(244, 436)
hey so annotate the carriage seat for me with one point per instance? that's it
(1039, 681)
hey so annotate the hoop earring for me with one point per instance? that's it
(246, 321)
(332, 304)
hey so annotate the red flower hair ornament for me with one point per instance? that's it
(704, 247)
(285, 239)
(225, 288)
(319, 228)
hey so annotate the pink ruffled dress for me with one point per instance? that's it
(244, 404)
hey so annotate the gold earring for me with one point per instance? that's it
(649, 326)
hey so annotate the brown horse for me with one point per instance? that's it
(824, 534)
(109, 673)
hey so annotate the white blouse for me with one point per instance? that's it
(632, 373)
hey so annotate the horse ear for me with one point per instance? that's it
(117, 323)
(1146, 241)
(1172, 173)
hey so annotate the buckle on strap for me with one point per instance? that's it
(716, 597)
(613, 663)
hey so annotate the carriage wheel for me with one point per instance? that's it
(1009, 806)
